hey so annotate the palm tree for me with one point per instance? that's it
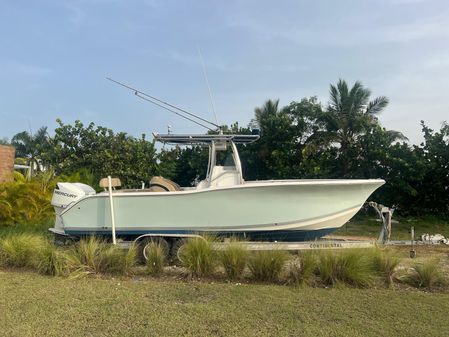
(349, 115)
(270, 108)
(31, 146)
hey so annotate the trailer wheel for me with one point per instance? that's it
(145, 242)
(176, 249)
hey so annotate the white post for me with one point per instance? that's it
(111, 203)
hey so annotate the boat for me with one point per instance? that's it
(222, 204)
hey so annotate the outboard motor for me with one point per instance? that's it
(66, 194)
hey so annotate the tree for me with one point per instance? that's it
(433, 193)
(32, 147)
(349, 115)
(103, 152)
(273, 156)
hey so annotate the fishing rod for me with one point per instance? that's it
(168, 106)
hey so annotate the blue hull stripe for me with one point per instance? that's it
(281, 235)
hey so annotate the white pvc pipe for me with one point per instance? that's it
(111, 203)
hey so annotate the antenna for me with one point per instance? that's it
(208, 86)
(167, 106)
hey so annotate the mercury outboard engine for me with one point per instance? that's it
(66, 194)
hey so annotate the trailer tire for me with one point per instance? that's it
(176, 249)
(145, 242)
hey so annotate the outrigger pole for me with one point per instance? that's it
(170, 107)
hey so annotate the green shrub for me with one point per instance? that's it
(349, 266)
(24, 202)
(385, 263)
(156, 257)
(302, 269)
(427, 274)
(267, 265)
(22, 250)
(233, 258)
(198, 256)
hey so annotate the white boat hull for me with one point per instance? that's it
(289, 210)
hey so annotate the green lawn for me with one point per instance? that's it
(364, 226)
(34, 305)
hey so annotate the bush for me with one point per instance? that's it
(198, 256)
(156, 257)
(24, 202)
(302, 269)
(427, 274)
(22, 250)
(349, 266)
(385, 263)
(267, 265)
(233, 258)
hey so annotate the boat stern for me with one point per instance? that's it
(65, 195)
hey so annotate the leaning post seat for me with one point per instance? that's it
(161, 184)
(115, 182)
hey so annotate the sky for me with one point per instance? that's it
(55, 55)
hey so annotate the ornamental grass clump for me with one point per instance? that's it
(22, 250)
(119, 261)
(94, 256)
(351, 267)
(385, 263)
(52, 261)
(233, 258)
(301, 271)
(198, 256)
(156, 258)
(427, 274)
(267, 265)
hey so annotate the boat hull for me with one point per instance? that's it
(291, 210)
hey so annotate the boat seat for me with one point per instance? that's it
(161, 184)
(115, 182)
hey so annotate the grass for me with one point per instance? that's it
(385, 263)
(266, 265)
(41, 229)
(353, 267)
(368, 226)
(198, 256)
(34, 305)
(22, 250)
(233, 259)
(94, 256)
(52, 261)
(156, 258)
(427, 274)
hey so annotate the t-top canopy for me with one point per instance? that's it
(205, 139)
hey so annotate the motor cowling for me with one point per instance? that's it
(68, 193)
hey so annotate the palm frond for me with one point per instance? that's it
(375, 106)
(396, 135)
